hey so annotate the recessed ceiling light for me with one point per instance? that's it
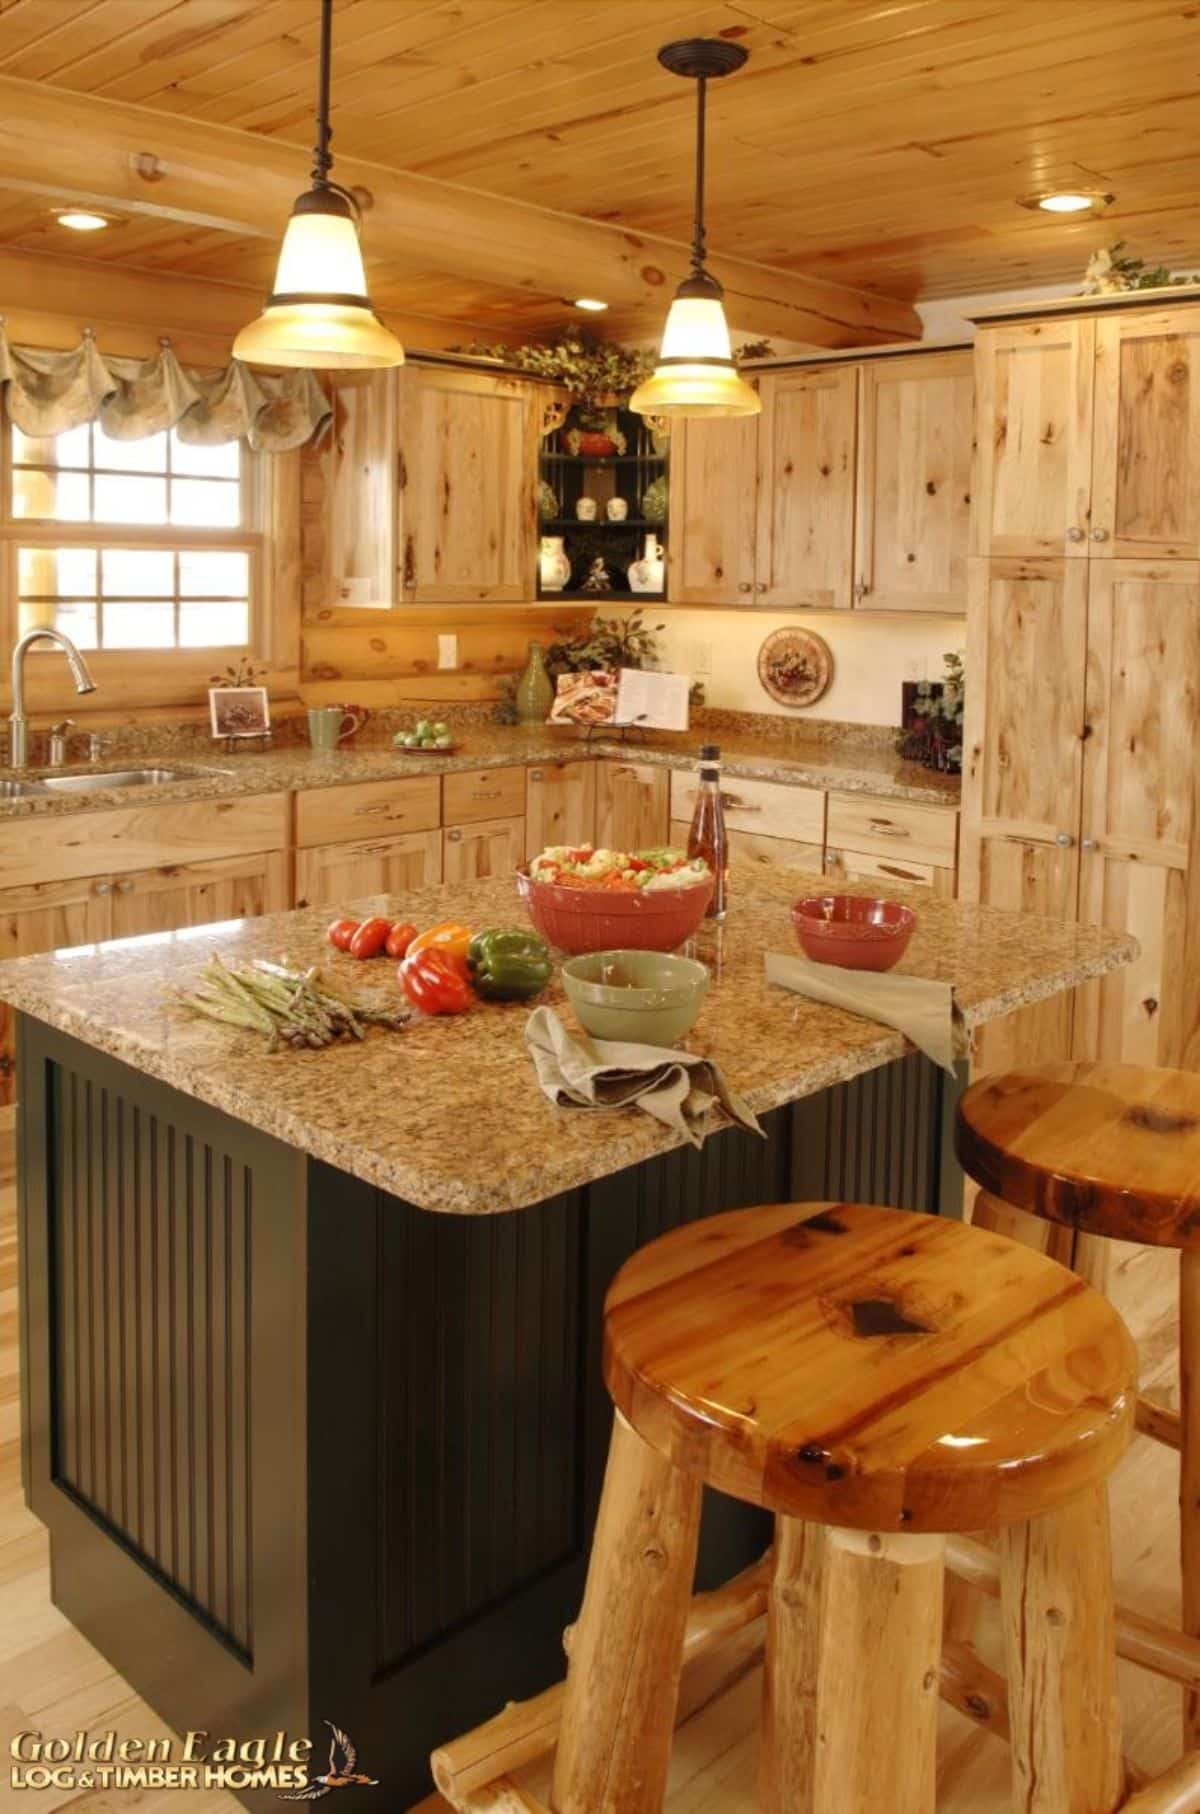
(81, 220)
(1068, 201)
(591, 304)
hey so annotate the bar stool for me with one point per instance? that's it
(876, 1379)
(1100, 1152)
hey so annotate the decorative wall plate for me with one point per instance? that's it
(795, 666)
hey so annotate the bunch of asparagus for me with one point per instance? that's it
(292, 1007)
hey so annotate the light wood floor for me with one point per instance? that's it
(51, 1678)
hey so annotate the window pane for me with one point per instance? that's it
(213, 575)
(69, 449)
(124, 498)
(147, 455)
(138, 572)
(224, 461)
(48, 494)
(78, 622)
(55, 571)
(209, 503)
(134, 624)
(210, 625)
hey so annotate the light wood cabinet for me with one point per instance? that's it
(483, 793)
(766, 809)
(632, 805)
(843, 865)
(335, 815)
(889, 828)
(361, 485)
(199, 894)
(467, 482)
(333, 874)
(804, 551)
(43, 916)
(560, 804)
(489, 847)
(750, 850)
(139, 837)
(913, 493)
(851, 488)
(1033, 412)
(1146, 461)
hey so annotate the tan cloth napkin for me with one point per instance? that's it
(677, 1088)
(918, 1007)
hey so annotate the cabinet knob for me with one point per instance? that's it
(535, 774)
(1089, 843)
(125, 887)
(860, 588)
(454, 837)
(101, 887)
(1074, 535)
(1063, 839)
(1099, 535)
(760, 585)
(744, 585)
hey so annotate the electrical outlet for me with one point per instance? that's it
(447, 651)
(702, 658)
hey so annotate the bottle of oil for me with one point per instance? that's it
(708, 838)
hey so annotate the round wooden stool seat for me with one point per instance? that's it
(1109, 1149)
(870, 1368)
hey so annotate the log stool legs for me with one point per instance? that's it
(618, 1716)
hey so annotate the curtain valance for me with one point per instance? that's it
(47, 393)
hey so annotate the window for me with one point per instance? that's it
(133, 544)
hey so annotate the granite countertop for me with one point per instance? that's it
(854, 768)
(393, 1110)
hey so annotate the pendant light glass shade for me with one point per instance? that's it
(319, 313)
(696, 374)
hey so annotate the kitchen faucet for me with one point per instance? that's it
(18, 753)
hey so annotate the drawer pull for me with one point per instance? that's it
(887, 828)
(735, 801)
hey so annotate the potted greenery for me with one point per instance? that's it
(933, 734)
(607, 643)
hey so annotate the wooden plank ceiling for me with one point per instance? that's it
(876, 143)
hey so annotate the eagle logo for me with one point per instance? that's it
(340, 1775)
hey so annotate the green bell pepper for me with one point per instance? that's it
(508, 963)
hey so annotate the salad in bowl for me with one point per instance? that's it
(584, 899)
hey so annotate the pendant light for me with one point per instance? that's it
(319, 313)
(695, 374)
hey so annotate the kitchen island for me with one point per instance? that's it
(310, 1341)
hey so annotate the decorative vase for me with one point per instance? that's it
(554, 569)
(647, 574)
(547, 501)
(535, 689)
(654, 501)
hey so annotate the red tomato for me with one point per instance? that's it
(341, 932)
(400, 938)
(371, 938)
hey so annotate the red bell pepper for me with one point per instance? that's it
(434, 983)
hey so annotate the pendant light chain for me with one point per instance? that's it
(322, 156)
(698, 231)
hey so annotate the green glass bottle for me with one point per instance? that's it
(535, 689)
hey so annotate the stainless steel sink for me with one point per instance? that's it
(122, 777)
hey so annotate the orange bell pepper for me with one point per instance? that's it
(450, 938)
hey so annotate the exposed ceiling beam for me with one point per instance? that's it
(70, 147)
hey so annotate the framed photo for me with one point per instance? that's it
(239, 711)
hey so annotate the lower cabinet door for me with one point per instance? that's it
(632, 805)
(335, 873)
(44, 917)
(560, 804)
(197, 894)
(492, 847)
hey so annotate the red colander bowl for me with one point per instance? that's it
(854, 931)
(597, 919)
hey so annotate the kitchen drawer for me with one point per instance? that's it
(858, 866)
(749, 850)
(367, 809)
(770, 809)
(893, 828)
(58, 847)
(483, 793)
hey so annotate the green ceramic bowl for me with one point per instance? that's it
(649, 997)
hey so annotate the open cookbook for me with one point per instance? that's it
(623, 696)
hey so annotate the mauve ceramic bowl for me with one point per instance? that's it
(647, 997)
(599, 919)
(853, 931)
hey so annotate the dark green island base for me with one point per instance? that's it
(308, 1453)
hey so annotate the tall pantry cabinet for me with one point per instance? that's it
(1080, 773)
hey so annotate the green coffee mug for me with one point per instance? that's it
(328, 724)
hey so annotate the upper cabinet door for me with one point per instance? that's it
(806, 445)
(468, 469)
(361, 495)
(710, 544)
(1140, 808)
(1146, 473)
(1033, 415)
(914, 483)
